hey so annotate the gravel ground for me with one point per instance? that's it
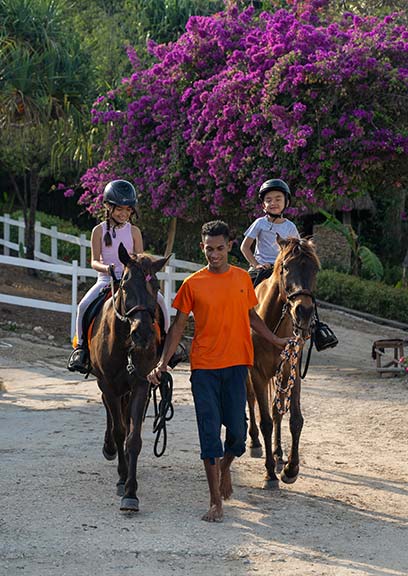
(346, 515)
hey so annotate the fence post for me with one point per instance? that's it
(37, 238)
(21, 243)
(74, 296)
(82, 254)
(6, 229)
(54, 243)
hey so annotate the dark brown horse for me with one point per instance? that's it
(286, 304)
(123, 350)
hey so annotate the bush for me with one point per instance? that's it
(66, 250)
(364, 295)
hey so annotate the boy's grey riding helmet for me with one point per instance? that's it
(120, 193)
(275, 184)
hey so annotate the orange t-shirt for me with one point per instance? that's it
(220, 304)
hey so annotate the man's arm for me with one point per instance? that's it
(170, 345)
(262, 329)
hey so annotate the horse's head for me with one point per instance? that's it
(295, 271)
(136, 298)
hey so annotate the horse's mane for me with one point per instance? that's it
(296, 248)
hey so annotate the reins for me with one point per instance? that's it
(163, 410)
(291, 354)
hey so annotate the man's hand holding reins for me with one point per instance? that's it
(170, 346)
(261, 328)
(154, 376)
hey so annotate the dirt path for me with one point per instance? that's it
(346, 515)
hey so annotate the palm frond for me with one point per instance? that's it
(370, 263)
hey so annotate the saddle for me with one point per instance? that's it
(93, 310)
(258, 275)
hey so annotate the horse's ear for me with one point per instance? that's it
(158, 264)
(123, 255)
(281, 241)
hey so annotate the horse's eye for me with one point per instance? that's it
(285, 267)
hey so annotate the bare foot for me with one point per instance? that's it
(225, 483)
(214, 514)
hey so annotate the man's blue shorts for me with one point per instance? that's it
(220, 399)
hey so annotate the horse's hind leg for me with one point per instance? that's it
(261, 388)
(109, 447)
(137, 403)
(255, 445)
(290, 472)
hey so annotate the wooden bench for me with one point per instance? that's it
(387, 354)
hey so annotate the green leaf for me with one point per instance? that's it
(371, 264)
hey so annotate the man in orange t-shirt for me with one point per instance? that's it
(222, 300)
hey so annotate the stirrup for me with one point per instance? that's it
(79, 361)
(323, 336)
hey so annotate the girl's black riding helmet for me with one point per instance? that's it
(275, 184)
(120, 193)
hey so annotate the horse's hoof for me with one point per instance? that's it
(129, 505)
(270, 485)
(109, 455)
(288, 479)
(120, 488)
(255, 451)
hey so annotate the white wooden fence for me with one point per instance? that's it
(176, 270)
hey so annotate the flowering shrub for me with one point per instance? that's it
(244, 96)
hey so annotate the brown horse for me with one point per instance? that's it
(286, 304)
(123, 350)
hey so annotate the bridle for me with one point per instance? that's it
(289, 298)
(126, 317)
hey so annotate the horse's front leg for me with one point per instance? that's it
(277, 438)
(255, 445)
(137, 403)
(109, 447)
(290, 472)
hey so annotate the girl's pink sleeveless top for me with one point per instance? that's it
(109, 254)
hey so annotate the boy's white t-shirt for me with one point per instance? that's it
(264, 234)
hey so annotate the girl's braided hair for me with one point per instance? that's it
(107, 237)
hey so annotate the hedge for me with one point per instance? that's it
(368, 296)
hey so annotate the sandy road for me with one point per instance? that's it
(346, 515)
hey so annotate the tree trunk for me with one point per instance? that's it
(393, 245)
(171, 236)
(34, 182)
